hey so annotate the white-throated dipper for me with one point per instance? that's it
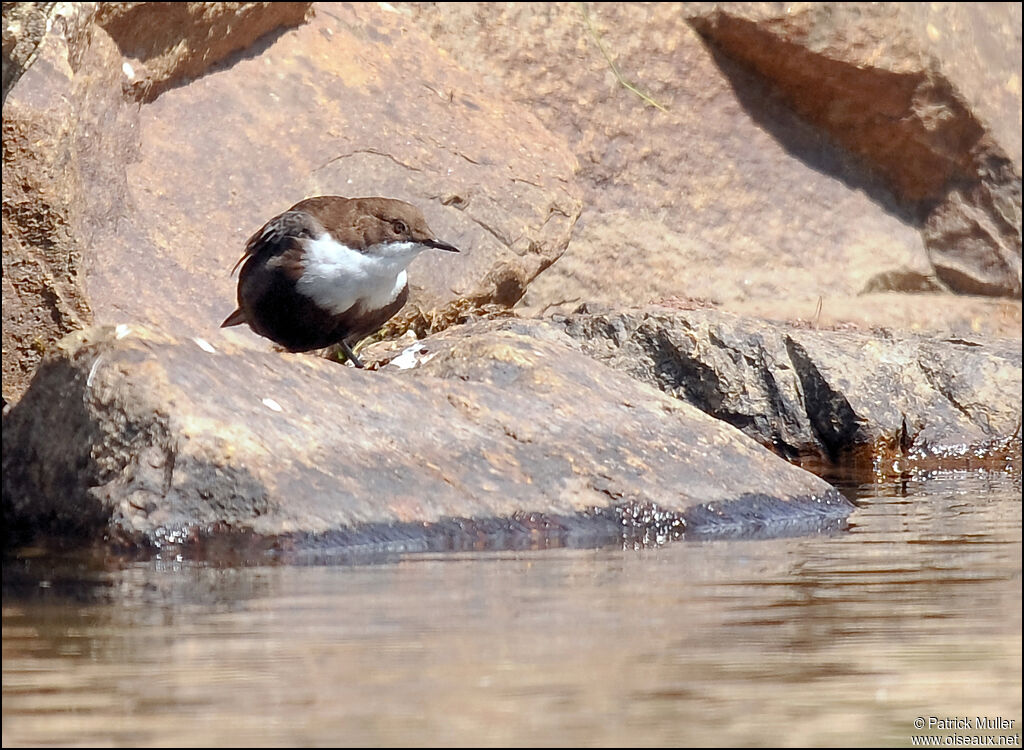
(330, 270)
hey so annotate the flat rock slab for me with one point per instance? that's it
(827, 394)
(130, 437)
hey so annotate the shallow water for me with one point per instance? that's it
(840, 639)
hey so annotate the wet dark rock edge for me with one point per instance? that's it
(628, 526)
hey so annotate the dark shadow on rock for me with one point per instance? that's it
(767, 106)
(146, 92)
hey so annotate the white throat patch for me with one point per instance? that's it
(337, 277)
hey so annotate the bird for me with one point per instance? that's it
(330, 270)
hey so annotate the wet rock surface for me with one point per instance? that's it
(140, 440)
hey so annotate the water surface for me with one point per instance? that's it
(839, 639)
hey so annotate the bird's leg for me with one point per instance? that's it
(351, 354)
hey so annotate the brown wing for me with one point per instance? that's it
(277, 236)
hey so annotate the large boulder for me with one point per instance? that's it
(504, 435)
(766, 156)
(865, 74)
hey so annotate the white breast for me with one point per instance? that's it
(337, 277)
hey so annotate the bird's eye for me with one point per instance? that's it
(399, 226)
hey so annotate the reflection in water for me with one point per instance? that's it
(835, 640)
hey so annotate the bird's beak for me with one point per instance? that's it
(438, 245)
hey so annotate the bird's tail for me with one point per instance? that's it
(234, 319)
